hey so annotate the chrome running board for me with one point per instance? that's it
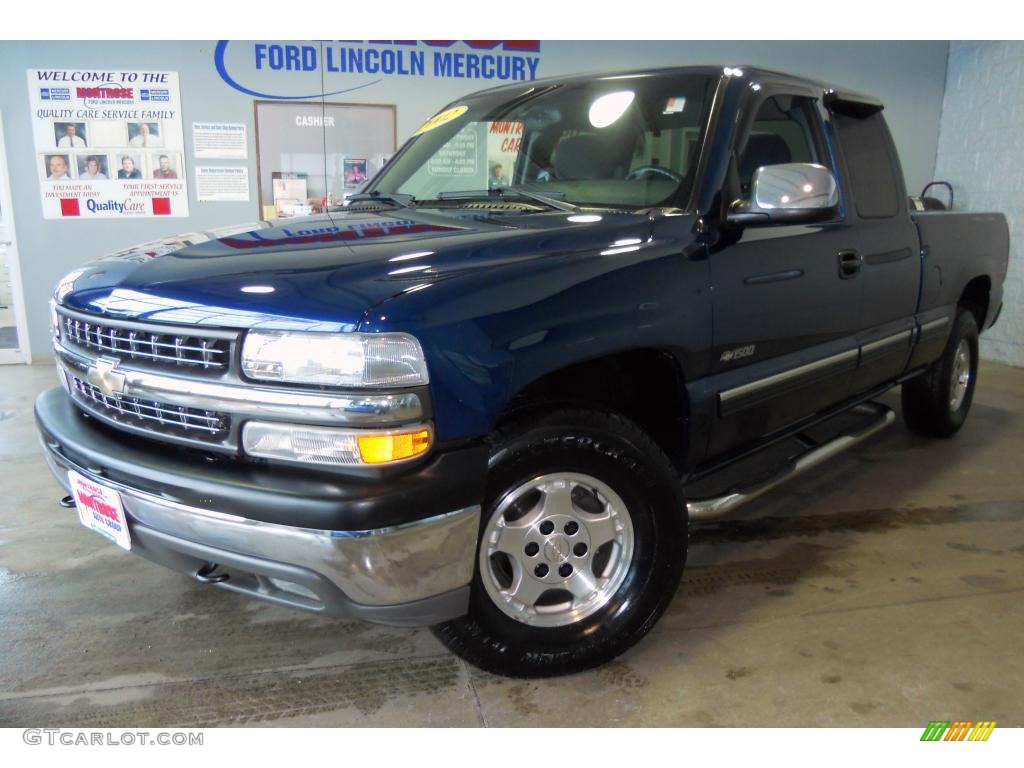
(709, 509)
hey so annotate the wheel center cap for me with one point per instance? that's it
(556, 550)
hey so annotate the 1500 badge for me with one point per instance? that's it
(731, 355)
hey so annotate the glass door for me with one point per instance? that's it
(13, 331)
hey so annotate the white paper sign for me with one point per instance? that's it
(108, 143)
(222, 183)
(458, 157)
(100, 509)
(221, 141)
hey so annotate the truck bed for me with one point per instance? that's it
(959, 247)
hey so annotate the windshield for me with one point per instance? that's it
(624, 142)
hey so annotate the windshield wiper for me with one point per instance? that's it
(399, 199)
(505, 193)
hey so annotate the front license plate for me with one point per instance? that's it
(100, 508)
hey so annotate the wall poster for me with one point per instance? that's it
(355, 172)
(108, 144)
(219, 141)
(222, 183)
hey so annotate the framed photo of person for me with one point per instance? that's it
(93, 167)
(145, 135)
(354, 172)
(70, 136)
(164, 165)
(129, 166)
(56, 167)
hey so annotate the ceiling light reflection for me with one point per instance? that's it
(405, 270)
(625, 249)
(407, 256)
(608, 108)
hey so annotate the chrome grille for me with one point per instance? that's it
(155, 416)
(161, 349)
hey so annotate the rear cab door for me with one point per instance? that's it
(890, 259)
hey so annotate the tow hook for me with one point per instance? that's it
(207, 575)
(68, 502)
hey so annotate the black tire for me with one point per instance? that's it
(927, 406)
(613, 450)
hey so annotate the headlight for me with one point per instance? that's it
(335, 359)
(333, 446)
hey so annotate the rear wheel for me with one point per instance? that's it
(582, 545)
(937, 402)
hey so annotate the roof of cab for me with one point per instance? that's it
(746, 73)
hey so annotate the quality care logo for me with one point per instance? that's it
(958, 730)
(132, 206)
(129, 206)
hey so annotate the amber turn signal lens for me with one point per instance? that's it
(381, 449)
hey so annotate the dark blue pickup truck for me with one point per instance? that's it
(480, 395)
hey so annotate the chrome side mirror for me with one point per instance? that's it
(791, 192)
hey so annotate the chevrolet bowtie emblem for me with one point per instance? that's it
(103, 375)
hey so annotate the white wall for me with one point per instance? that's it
(981, 152)
(908, 76)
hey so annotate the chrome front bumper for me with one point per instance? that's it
(408, 575)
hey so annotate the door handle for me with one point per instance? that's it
(849, 264)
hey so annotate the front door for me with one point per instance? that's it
(785, 312)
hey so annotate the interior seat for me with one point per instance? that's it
(592, 157)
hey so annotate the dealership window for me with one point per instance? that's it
(313, 154)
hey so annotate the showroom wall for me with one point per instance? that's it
(908, 76)
(981, 152)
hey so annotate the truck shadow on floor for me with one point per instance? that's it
(804, 533)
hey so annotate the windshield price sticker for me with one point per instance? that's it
(441, 118)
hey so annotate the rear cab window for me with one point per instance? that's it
(871, 165)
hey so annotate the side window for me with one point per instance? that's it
(870, 164)
(786, 129)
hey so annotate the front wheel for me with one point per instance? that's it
(937, 402)
(582, 545)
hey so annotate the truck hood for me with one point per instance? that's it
(326, 272)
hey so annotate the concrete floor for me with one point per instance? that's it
(884, 589)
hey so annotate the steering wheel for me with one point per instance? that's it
(656, 170)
